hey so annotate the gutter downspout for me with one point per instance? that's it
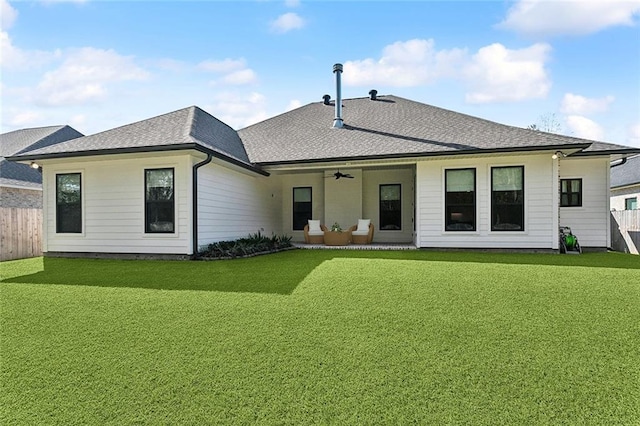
(194, 205)
(622, 161)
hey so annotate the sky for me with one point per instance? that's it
(570, 66)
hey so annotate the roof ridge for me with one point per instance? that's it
(57, 127)
(138, 121)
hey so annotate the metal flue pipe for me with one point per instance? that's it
(337, 121)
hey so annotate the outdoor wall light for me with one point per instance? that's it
(558, 154)
(35, 165)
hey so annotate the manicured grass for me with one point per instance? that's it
(329, 337)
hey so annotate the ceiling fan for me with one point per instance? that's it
(339, 175)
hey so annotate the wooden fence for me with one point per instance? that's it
(20, 233)
(625, 231)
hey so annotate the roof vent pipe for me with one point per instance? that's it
(327, 99)
(337, 122)
(373, 93)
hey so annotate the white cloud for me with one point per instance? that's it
(8, 15)
(241, 77)
(239, 110)
(292, 3)
(582, 127)
(14, 58)
(580, 105)
(78, 121)
(85, 75)
(498, 74)
(235, 71)
(293, 104)
(287, 22)
(404, 64)
(633, 135)
(64, 1)
(24, 118)
(573, 17)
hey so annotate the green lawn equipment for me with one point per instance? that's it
(569, 242)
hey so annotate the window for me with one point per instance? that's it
(460, 199)
(631, 203)
(570, 192)
(390, 207)
(159, 201)
(507, 198)
(302, 208)
(68, 203)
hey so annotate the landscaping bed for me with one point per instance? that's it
(252, 245)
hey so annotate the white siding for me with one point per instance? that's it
(619, 195)
(233, 204)
(590, 223)
(113, 205)
(540, 189)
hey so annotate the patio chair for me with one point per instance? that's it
(314, 232)
(362, 233)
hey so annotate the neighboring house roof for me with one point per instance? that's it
(626, 174)
(187, 128)
(388, 127)
(18, 141)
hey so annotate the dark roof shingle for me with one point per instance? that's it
(188, 126)
(627, 173)
(18, 141)
(389, 126)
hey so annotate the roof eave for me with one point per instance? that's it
(131, 150)
(626, 185)
(428, 154)
(624, 151)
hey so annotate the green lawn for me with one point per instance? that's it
(323, 337)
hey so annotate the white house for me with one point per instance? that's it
(423, 175)
(625, 185)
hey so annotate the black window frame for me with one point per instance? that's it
(64, 210)
(505, 198)
(301, 211)
(628, 201)
(570, 198)
(460, 202)
(383, 209)
(172, 201)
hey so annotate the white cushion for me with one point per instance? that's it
(315, 233)
(314, 225)
(363, 225)
(363, 233)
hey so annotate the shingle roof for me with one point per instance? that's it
(627, 173)
(390, 126)
(13, 143)
(188, 127)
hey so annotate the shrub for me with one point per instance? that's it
(252, 244)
